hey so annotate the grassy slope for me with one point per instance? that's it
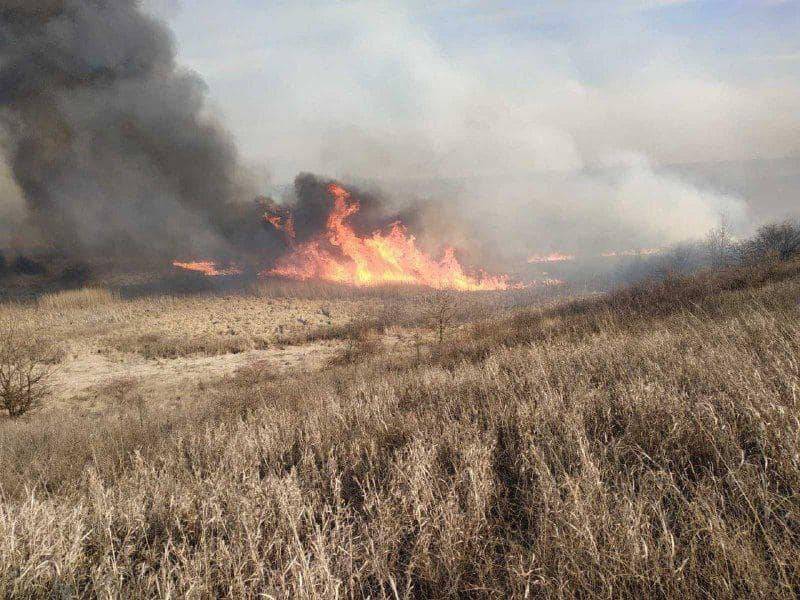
(644, 443)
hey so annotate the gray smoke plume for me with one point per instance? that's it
(107, 137)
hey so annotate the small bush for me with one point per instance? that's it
(441, 312)
(776, 240)
(357, 349)
(76, 275)
(27, 266)
(25, 367)
(125, 395)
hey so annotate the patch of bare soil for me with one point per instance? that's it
(85, 375)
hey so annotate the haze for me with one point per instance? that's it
(551, 125)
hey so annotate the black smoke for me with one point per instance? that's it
(107, 137)
(109, 141)
(311, 202)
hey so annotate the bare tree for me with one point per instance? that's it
(720, 246)
(774, 240)
(442, 312)
(25, 366)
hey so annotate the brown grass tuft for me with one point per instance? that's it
(150, 345)
(83, 298)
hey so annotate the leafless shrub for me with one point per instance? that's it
(441, 312)
(357, 348)
(25, 367)
(125, 394)
(720, 246)
(774, 240)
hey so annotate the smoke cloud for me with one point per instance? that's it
(108, 139)
(497, 127)
(518, 115)
(12, 206)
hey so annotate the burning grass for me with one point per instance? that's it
(610, 448)
(337, 253)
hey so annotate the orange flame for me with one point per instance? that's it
(341, 255)
(550, 258)
(281, 223)
(639, 252)
(560, 257)
(207, 267)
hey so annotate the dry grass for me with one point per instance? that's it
(77, 299)
(150, 345)
(611, 448)
(357, 349)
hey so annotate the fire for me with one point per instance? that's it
(550, 258)
(207, 267)
(284, 223)
(561, 257)
(639, 252)
(550, 281)
(340, 255)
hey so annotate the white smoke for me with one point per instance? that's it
(514, 125)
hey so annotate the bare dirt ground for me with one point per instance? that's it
(171, 348)
(84, 377)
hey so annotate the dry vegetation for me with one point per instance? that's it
(640, 444)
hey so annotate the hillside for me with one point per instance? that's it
(643, 443)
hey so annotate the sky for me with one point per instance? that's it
(566, 123)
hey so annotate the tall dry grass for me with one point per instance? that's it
(612, 448)
(80, 298)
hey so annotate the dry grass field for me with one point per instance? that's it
(172, 347)
(640, 444)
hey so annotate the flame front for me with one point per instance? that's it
(207, 267)
(340, 255)
(636, 252)
(550, 258)
(284, 223)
